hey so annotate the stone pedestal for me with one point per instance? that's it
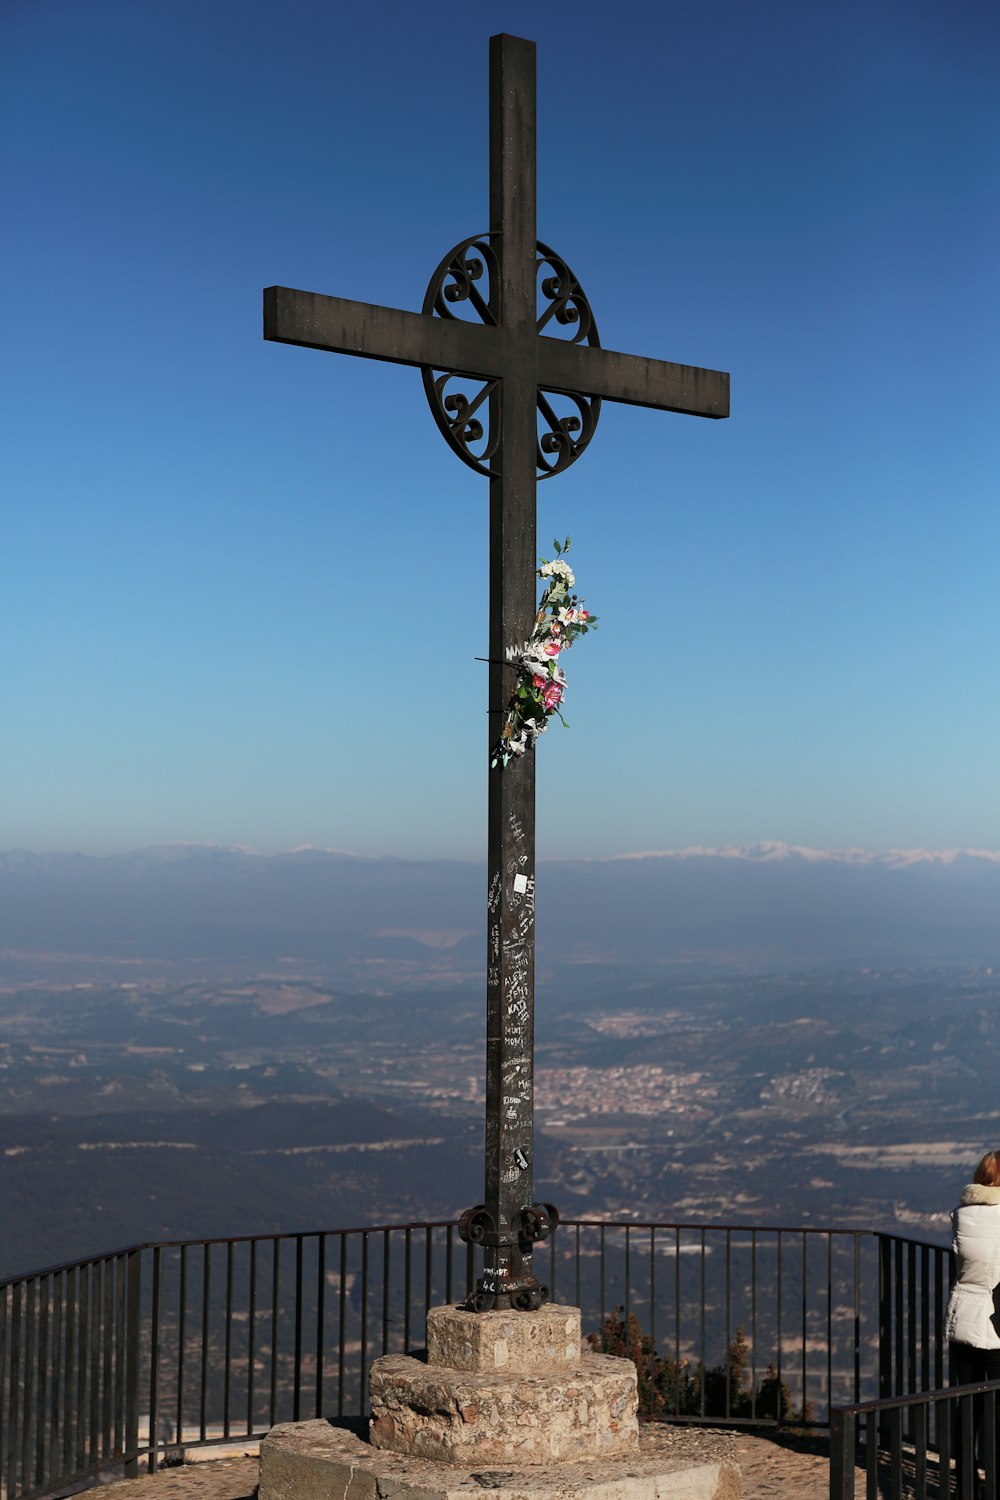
(505, 1402)
(504, 1388)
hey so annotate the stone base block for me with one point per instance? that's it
(315, 1461)
(516, 1343)
(480, 1419)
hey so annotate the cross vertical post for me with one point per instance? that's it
(510, 998)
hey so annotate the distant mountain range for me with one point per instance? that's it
(763, 906)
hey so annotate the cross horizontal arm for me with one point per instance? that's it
(406, 338)
(630, 378)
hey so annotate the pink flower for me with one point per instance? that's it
(552, 695)
(538, 681)
(553, 648)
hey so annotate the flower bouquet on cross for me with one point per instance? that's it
(541, 681)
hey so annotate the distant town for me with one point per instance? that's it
(139, 1104)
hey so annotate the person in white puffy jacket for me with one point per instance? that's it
(972, 1321)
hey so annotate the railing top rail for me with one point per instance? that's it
(697, 1224)
(813, 1230)
(909, 1239)
(915, 1398)
(220, 1239)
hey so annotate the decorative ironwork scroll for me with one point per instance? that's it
(462, 405)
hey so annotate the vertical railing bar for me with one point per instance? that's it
(121, 1362)
(82, 1366)
(753, 1325)
(857, 1316)
(727, 1362)
(871, 1457)
(320, 1319)
(251, 1334)
(911, 1317)
(805, 1315)
(944, 1417)
(701, 1359)
(297, 1342)
(275, 1293)
(628, 1285)
(576, 1270)
(227, 1386)
(884, 1316)
(895, 1452)
(677, 1320)
(829, 1323)
(206, 1292)
(16, 1388)
(925, 1318)
(407, 1285)
(181, 1343)
(778, 1325)
(842, 1447)
(343, 1312)
(898, 1312)
(939, 1265)
(449, 1237)
(5, 1387)
(96, 1322)
(988, 1439)
(363, 1372)
(385, 1291)
(552, 1265)
(58, 1354)
(41, 1417)
(132, 1332)
(71, 1409)
(919, 1419)
(966, 1456)
(155, 1318)
(603, 1301)
(652, 1288)
(107, 1348)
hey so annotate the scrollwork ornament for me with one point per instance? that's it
(464, 287)
(465, 279)
(564, 435)
(476, 1226)
(536, 1223)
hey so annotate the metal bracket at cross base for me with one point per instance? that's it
(506, 1283)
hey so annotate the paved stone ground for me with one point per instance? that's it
(792, 1468)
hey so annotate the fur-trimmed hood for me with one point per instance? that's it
(977, 1193)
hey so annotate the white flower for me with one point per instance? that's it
(558, 569)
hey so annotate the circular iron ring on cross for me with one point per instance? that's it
(460, 404)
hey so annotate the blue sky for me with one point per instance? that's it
(243, 586)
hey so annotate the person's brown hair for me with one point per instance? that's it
(987, 1174)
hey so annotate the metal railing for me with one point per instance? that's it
(158, 1348)
(918, 1445)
